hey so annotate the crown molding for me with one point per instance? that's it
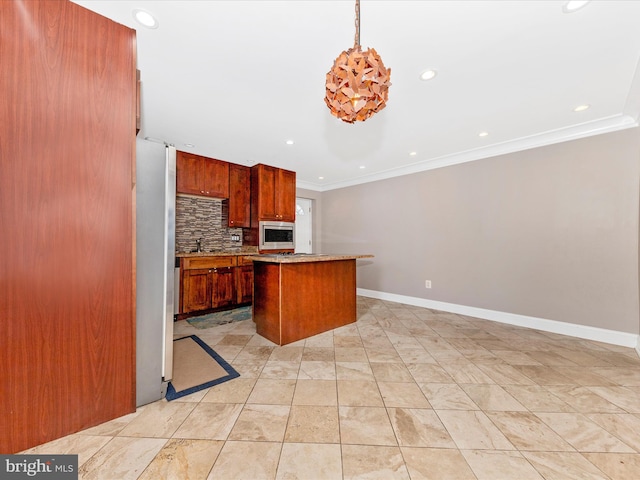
(575, 132)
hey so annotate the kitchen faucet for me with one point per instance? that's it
(198, 245)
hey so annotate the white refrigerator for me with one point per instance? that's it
(155, 259)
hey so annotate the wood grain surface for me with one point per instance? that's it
(67, 154)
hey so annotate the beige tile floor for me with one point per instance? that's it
(404, 393)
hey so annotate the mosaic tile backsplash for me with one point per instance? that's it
(203, 218)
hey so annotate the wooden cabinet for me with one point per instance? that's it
(205, 281)
(273, 194)
(223, 284)
(239, 205)
(209, 283)
(244, 284)
(198, 175)
(286, 195)
(196, 290)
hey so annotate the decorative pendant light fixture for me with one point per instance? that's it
(358, 84)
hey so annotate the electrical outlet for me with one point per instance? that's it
(427, 284)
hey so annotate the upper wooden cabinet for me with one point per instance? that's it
(239, 196)
(197, 175)
(273, 194)
(286, 195)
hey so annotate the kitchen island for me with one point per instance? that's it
(298, 296)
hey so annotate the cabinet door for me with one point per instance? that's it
(189, 171)
(197, 290)
(216, 178)
(239, 196)
(267, 206)
(223, 287)
(286, 196)
(244, 283)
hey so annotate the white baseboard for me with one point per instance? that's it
(612, 337)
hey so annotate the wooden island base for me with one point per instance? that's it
(297, 300)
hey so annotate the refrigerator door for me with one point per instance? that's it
(155, 252)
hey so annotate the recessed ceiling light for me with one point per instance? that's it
(362, 167)
(573, 5)
(413, 154)
(483, 134)
(289, 142)
(189, 145)
(145, 19)
(428, 75)
(581, 108)
(320, 178)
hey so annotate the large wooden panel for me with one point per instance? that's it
(67, 153)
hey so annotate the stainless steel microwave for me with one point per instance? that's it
(276, 235)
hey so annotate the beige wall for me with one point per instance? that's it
(550, 232)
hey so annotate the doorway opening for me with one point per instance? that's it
(304, 237)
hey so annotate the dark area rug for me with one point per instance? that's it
(221, 318)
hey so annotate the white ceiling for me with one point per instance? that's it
(237, 79)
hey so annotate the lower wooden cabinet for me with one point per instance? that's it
(244, 284)
(196, 290)
(223, 291)
(209, 283)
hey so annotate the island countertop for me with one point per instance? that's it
(304, 257)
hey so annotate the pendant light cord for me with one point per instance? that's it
(356, 41)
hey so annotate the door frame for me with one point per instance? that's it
(305, 227)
